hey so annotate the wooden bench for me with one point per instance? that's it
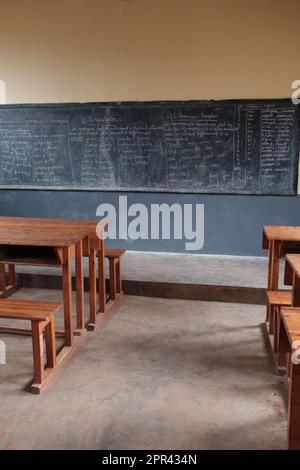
(41, 315)
(279, 241)
(115, 282)
(92, 246)
(289, 334)
(277, 298)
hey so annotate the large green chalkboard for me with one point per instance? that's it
(242, 147)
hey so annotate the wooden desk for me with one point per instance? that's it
(54, 249)
(292, 300)
(294, 263)
(279, 240)
(290, 320)
(93, 247)
(289, 337)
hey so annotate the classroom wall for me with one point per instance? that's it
(101, 50)
(232, 224)
(111, 50)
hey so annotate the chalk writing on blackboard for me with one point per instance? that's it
(242, 146)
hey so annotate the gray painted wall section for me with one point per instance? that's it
(233, 224)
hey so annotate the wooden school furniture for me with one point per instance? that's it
(288, 274)
(284, 321)
(287, 331)
(41, 316)
(293, 262)
(53, 249)
(289, 338)
(93, 247)
(6, 290)
(115, 282)
(279, 241)
(2, 279)
(277, 298)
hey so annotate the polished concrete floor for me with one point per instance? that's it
(159, 374)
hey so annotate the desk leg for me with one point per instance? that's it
(113, 279)
(2, 278)
(93, 286)
(294, 408)
(12, 275)
(296, 291)
(67, 294)
(101, 278)
(269, 277)
(79, 286)
(273, 270)
(283, 345)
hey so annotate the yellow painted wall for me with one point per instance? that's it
(99, 50)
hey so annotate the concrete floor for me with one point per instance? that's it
(159, 374)
(241, 271)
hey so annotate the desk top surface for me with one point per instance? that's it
(282, 233)
(291, 319)
(294, 261)
(37, 237)
(62, 225)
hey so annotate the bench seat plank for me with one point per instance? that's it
(114, 252)
(291, 320)
(280, 297)
(27, 310)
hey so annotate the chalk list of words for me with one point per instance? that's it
(207, 147)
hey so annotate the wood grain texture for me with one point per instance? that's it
(291, 321)
(67, 290)
(281, 233)
(54, 230)
(279, 297)
(27, 309)
(28, 237)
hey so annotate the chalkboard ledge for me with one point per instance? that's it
(214, 191)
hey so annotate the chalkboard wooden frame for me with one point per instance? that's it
(186, 125)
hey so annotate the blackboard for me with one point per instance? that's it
(232, 146)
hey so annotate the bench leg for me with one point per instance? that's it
(38, 351)
(113, 279)
(79, 286)
(67, 295)
(276, 314)
(93, 287)
(12, 275)
(50, 343)
(271, 319)
(119, 280)
(294, 408)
